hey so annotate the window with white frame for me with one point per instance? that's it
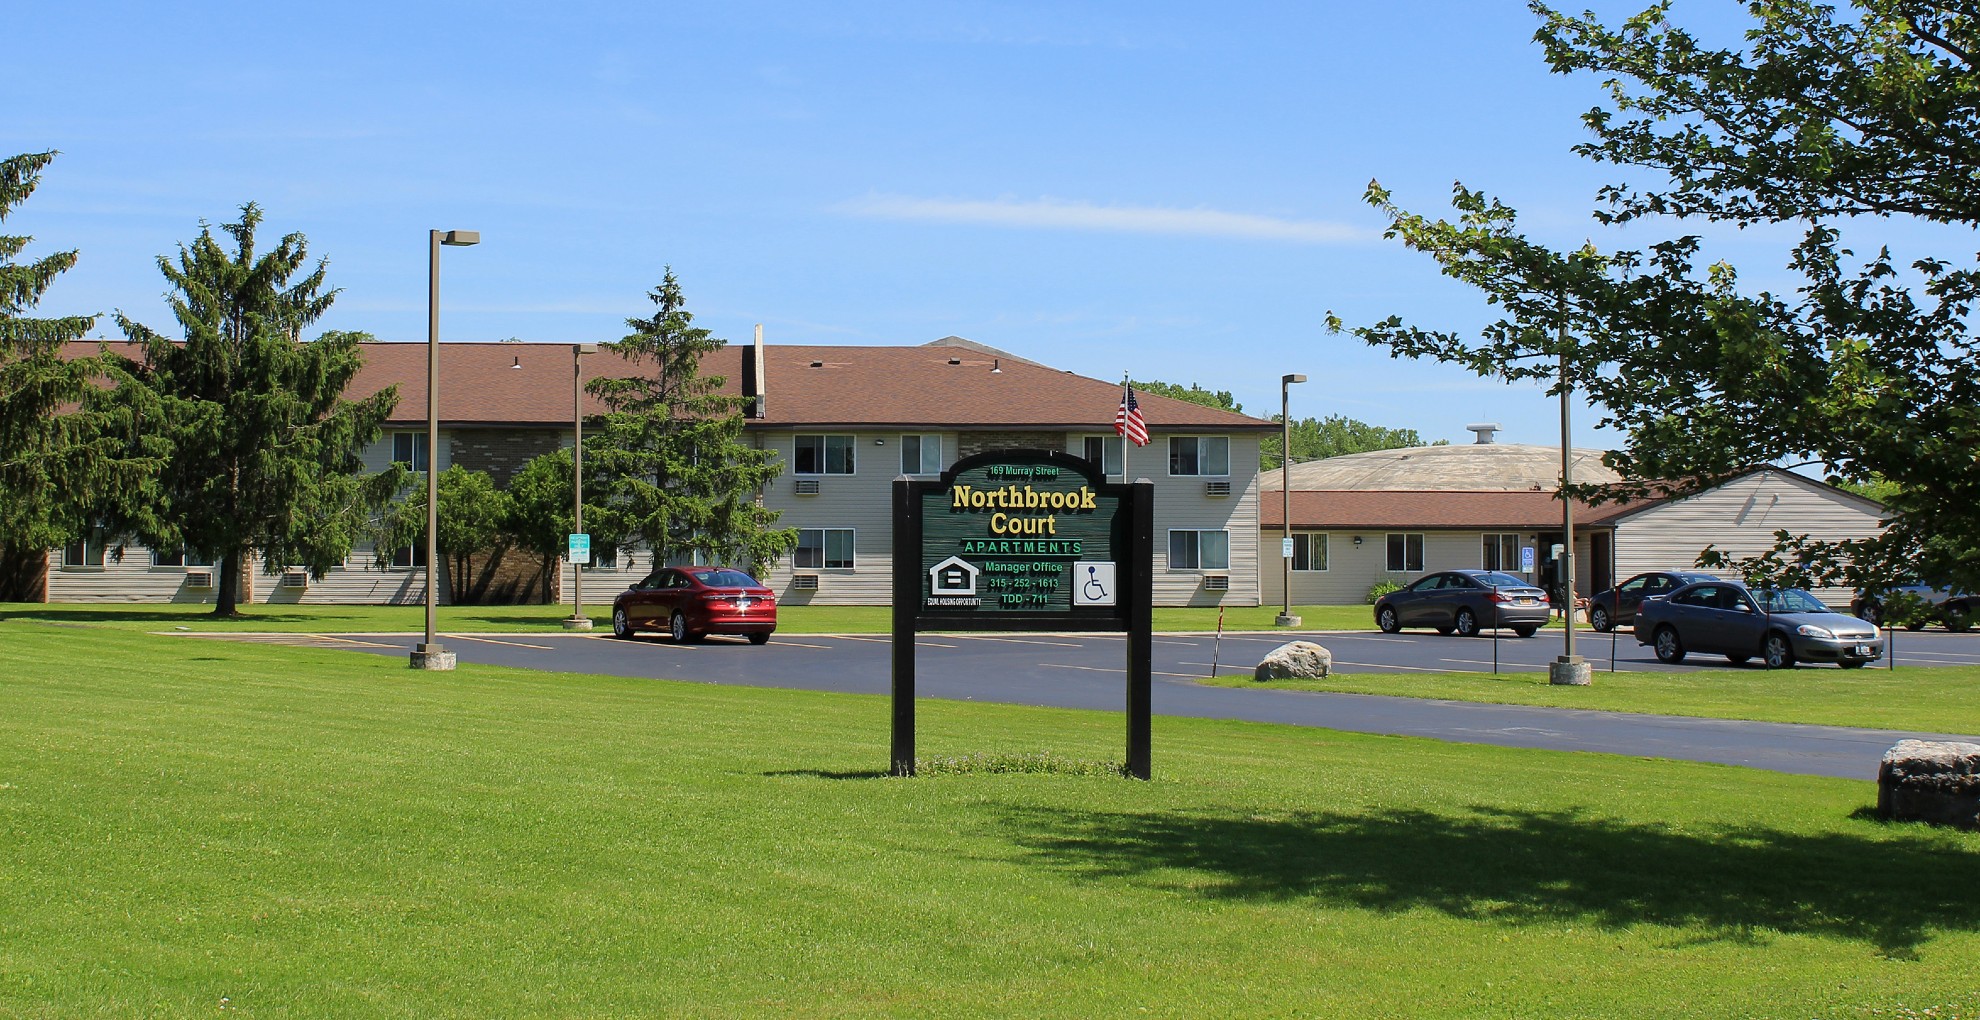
(1199, 455)
(86, 550)
(1309, 552)
(409, 450)
(921, 455)
(1500, 552)
(179, 558)
(1104, 451)
(823, 549)
(823, 455)
(408, 556)
(1199, 550)
(1405, 553)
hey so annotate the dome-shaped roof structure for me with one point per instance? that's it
(1471, 467)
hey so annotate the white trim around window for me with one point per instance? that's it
(1499, 551)
(1404, 552)
(825, 549)
(1200, 456)
(921, 454)
(821, 454)
(1310, 552)
(409, 450)
(1104, 450)
(1199, 549)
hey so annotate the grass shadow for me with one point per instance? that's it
(823, 774)
(1737, 882)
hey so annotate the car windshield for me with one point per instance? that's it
(1498, 580)
(728, 579)
(1789, 600)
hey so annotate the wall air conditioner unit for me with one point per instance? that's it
(1216, 582)
(199, 578)
(804, 582)
(1216, 488)
(295, 578)
(807, 486)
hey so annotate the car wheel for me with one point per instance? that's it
(677, 629)
(621, 625)
(1738, 660)
(760, 638)
(1598, 618)
(1778, 651)
(1870, 614)
(1385, 618)
(1526, 631)
(1467, 623)
(1958, 619)
(1670, 647)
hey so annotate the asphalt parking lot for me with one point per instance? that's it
(1086, 671)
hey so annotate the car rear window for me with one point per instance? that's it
(728, 579)
(1498, 580)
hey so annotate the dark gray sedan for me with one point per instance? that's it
(1465, 602)
(1782, 627)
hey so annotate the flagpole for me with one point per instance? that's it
(1126, 478)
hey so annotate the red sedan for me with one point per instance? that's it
(690, 603)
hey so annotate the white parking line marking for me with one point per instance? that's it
(1109, 669)
(781, 643)
(493, 641)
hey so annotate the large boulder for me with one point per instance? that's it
(1934, 781)
(1295, 660)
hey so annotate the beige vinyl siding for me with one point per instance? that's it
(861, 501)
(1181, 503)
(130, 579)
(1352, 570)
(1740, 518)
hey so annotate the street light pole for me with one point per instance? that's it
(1286, 618)
(429, 655)
(1570, 668)
(578, 620)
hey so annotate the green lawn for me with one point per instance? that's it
(1935, 699)
(515, 619)
(191, 827)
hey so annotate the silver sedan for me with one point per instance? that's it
(1782, 627)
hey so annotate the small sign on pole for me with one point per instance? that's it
(1526, 559)
(1285, 548)
(581, 549)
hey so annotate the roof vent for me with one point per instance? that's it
(955, 361)
(1484, 430)
(817, 364)
(997, 366)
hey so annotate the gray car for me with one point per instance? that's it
(1782, 627)
(1465, 602)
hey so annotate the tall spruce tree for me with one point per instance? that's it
(666, 463)
(61, 457)
(264, 447)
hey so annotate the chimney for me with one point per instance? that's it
(1484, 431)
(756, 385)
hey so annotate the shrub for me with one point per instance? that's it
(1381, 588)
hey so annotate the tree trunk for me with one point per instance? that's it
(226, 597)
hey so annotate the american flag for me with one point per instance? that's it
(1128, 421)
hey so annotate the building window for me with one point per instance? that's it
(179, 558)
(1405, 553)
(409, 450)
(86, 551)
(1199, 455)
(408, 556)
(824, 455)
(1104, 451)
(1309, 552)
(824, 548)
(1501, 552)
(921, 455)
(604, 557)
(1199, 550)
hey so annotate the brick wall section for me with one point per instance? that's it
(511, 577)
(969, 443)
(500, 452)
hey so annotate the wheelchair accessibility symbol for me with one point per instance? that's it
(1093, 583)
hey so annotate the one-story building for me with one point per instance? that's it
(1391, 515)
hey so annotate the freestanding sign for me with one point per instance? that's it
(580, 549)
(1024, 540)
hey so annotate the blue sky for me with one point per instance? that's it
(1170, 190)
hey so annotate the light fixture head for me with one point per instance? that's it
(461, 238)
(1357, 540)
(1287, 379)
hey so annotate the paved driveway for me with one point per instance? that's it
(1085, 671)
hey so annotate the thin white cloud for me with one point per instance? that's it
(1058, 214)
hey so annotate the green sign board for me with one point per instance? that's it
(1020, 537)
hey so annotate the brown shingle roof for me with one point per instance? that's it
(1432, 510)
